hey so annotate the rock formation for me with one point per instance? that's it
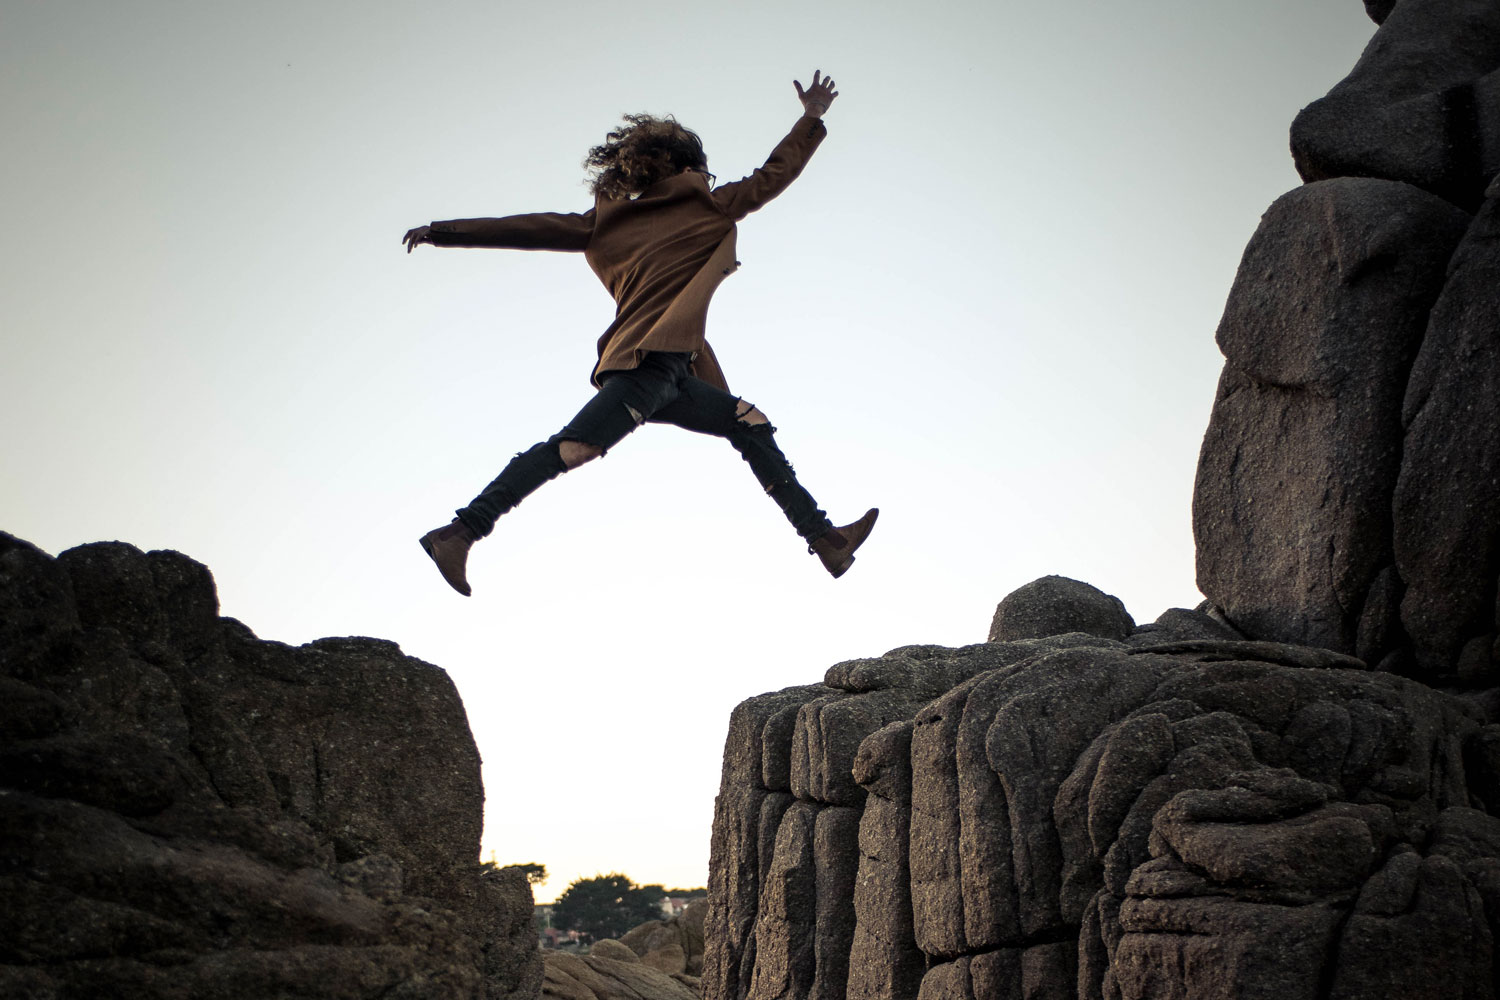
(1172, 814)
(1422, 105)
(1291, 791)
(611, 971)
(657, 960)
(189, 811)
(1347, 489)
(674, 945)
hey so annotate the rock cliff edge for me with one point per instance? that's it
(189, 811)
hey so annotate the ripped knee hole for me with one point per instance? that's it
(746, 413)
(575, 453)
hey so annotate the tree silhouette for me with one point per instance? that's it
(606, 906)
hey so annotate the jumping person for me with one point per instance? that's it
(661, 238)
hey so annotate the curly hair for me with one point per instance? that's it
(644, 150)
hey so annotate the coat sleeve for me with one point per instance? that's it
(538, 231)
(739, 198)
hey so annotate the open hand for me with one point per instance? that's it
(818, 96)
(415, 237)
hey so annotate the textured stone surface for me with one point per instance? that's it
(674, 945)
(669, 958)
(1055, 605)
(1292, 505)
(787, 922)
(1089, 818)
(1315, 522)
(836, 868)
(884, 960)
(1261, 797)
(1424, 910)
(747, 814)
(1183, 625)
(802, 909)
(1422, 105)
(616, 951)
(611, 974)
(1447, 500)
(195, 812)
(1218, 947)
(827, 738)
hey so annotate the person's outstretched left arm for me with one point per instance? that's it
(537, 231)
(739, 198)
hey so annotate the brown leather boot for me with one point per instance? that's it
(836, 547)
(449, 548)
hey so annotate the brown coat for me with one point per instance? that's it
(661, 254)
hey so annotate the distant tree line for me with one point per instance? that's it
(606, 906)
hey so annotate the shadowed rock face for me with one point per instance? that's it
(1079, 816)
(1422, 105)
(190, 811)
(1292, 508)
(1347, 488)
(1258, 798)
(1447, 498)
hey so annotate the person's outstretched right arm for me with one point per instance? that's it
(537, 231)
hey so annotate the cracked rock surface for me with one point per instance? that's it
(189, 811)
(1078, 816)
(1290, 791)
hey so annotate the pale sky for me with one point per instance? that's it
(986, 307)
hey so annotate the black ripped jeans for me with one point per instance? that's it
(662, 391)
